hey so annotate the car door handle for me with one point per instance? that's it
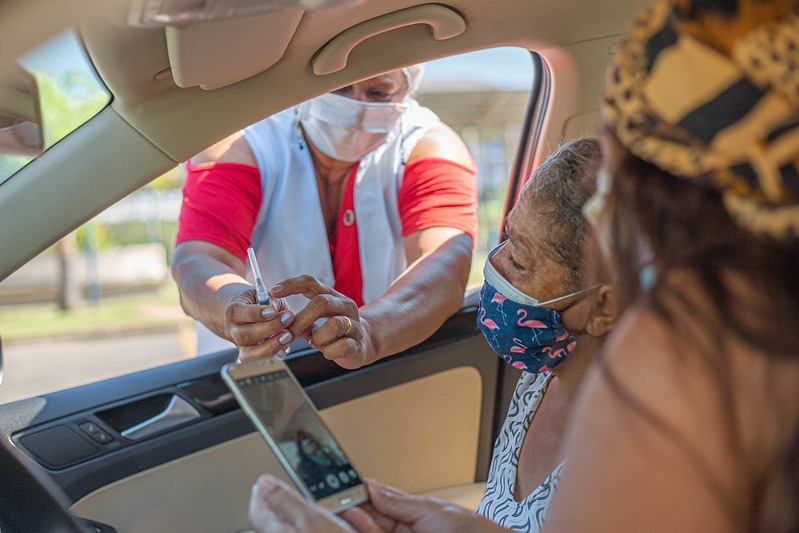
(445, 23)
(178, 411)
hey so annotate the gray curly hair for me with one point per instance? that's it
(561, 185)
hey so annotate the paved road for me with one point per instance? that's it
(32, 368)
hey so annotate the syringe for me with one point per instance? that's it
(260, 288)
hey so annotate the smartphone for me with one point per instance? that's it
(272, 397)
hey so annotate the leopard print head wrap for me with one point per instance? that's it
(716, 100)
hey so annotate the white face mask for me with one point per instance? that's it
(347, 129)
(594, 211)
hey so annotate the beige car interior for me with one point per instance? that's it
(179, 88)
(391, 455)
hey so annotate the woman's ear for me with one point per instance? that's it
(605, 311)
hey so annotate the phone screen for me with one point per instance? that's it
(299, 433)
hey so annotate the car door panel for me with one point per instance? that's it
(430, 441)
(423, 420)
(429, 430)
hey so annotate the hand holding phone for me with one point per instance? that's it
(284, 415)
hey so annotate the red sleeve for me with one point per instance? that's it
(220, 204)
(438, 193)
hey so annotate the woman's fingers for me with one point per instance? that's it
(362, 521)
(395, 511)
(330, 321)
(261, 516)
(288, 511)
(307, 286)
(323, 303)
(258, 330)
(284, 505)
(269, 348)
(338, 327)
(381, 522)
(272, 493)
(395, 504)
(419, 514)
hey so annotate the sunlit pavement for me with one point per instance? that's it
(37, 367)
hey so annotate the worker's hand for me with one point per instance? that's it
(330, 322)
(258, 330)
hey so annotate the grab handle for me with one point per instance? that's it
(177, 412)
(445, 23)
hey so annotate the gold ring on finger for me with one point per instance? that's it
(349, 326)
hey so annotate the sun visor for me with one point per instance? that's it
(214, 43)
(221, 52)
(160, 13)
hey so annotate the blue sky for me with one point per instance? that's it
(504, 68)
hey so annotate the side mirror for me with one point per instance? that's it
(21, 131)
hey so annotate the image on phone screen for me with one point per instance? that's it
(299, 433)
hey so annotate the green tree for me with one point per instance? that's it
(67, 102)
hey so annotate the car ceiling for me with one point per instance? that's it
(153, 123)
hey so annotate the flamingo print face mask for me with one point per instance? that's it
(518, 328)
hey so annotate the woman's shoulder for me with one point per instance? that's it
(646, 412)
(691, 406)
(677, 344)
(441, 142)
(670, 363)
(703, 381)
(232, 149)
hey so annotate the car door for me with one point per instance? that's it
(168, 448)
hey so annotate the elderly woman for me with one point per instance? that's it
(691, 422)
(540, 315)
